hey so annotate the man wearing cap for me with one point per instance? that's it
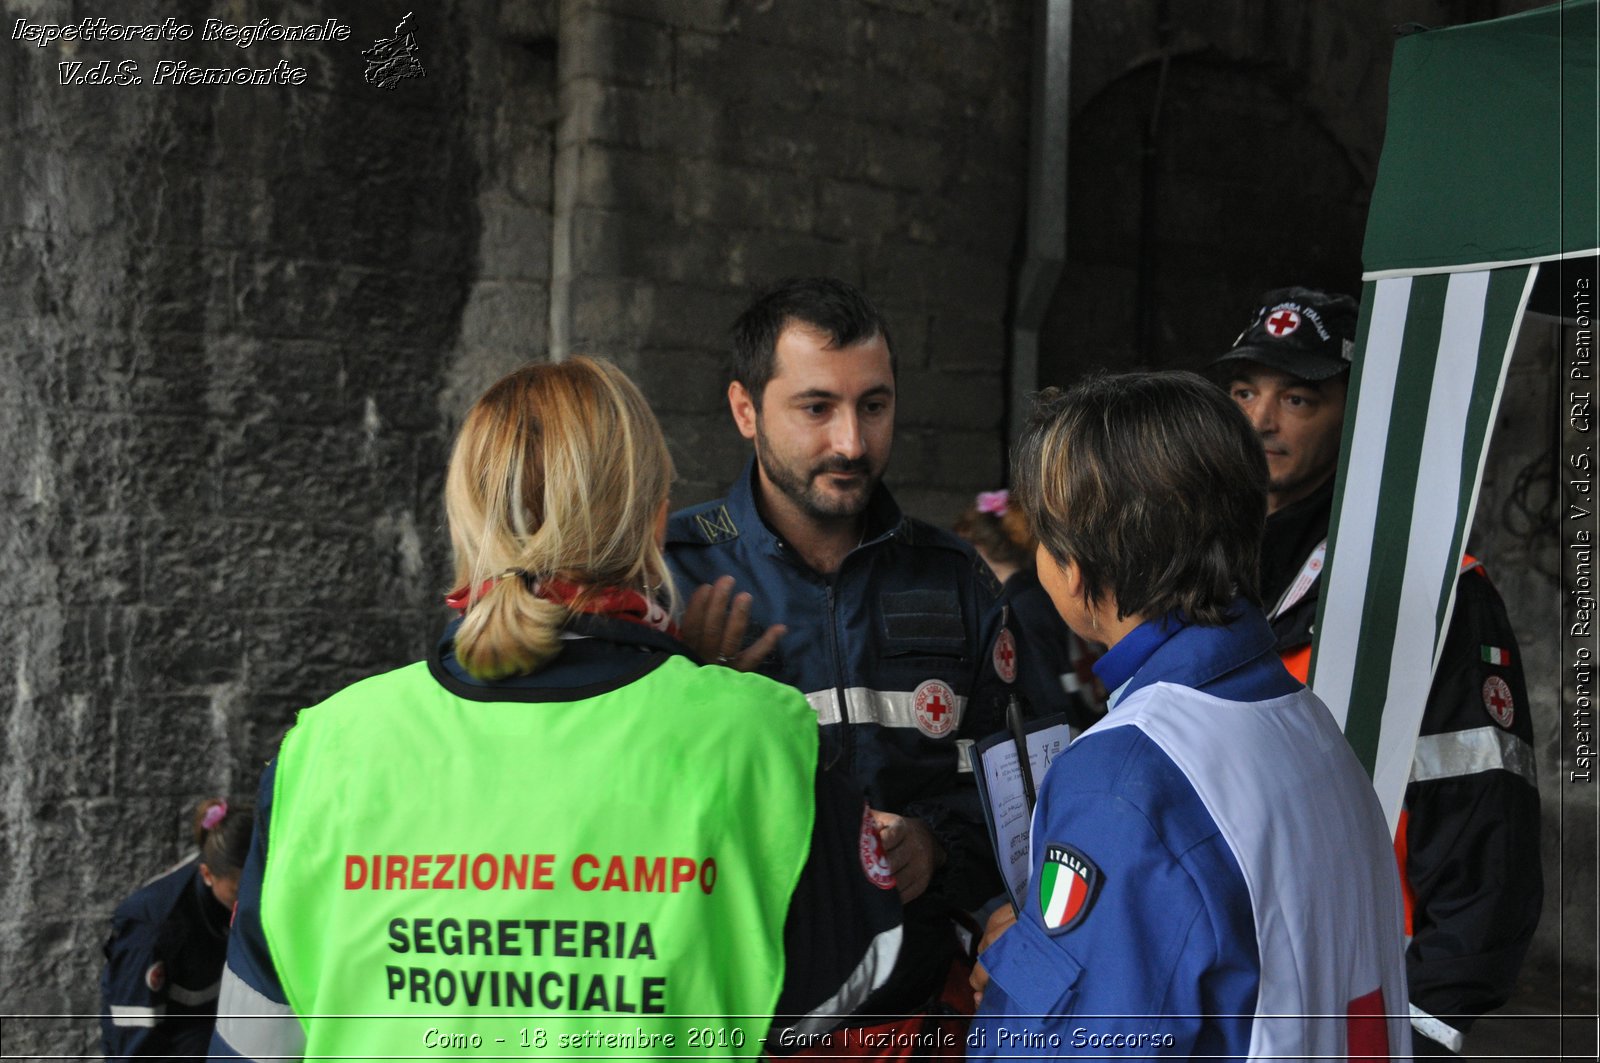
(1468, 838)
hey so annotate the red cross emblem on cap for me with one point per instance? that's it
(1282, 321)
(934, 708)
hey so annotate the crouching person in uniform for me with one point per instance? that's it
(158, 990)
(1211, 873)
(560, 835)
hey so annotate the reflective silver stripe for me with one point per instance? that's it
(134, 1015)
(191, 997)
(1302, 582)
(892, 708)
(195, 859)
(826, 706)
(1458, 753)
(255, 1027)
(886, 708)
(964, 757)
(870, 973)
(1442, 1032)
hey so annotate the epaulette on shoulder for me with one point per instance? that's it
(709, 523)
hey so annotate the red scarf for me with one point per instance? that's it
(617, 603)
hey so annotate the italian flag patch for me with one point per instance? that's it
(1068, 882)
(1495, 655)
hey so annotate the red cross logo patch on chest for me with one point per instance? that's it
(1282, 322)
(933, 706)
(1497, 699)
(1005, 656)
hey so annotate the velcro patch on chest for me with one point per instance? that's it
(934, 615)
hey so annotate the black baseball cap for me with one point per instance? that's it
(1304, 332)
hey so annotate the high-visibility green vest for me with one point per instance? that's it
(599, 877)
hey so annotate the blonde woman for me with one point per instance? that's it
(562, 834)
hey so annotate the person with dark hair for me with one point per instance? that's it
(1468, 838)
(1210, 866)
(1054, 675)
(891, 628)
(158, 990)
(540, 838)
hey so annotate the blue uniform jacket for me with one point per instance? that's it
(1162, 958)
(158, 991)
(895, 652)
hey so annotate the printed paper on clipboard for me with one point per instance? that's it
(1005, 806)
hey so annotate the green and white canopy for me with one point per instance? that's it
(1488, 169)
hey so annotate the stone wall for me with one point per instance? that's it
(707, 148)
(228, 316)
(242, 323)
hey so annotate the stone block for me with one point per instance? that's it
(678, 124)
(171, 743)
(706, 16)
(829, 28)
(529, 20)
(965, 59)
(744, 197)
(183, 650)
(610, 313)
(967, 461)
(300, 381)
(707, 452)
(801, 142)
(761, 258)
(507, 315)
(985, 219)
(848, 210)
(908, 331)
(957, 342)
(903, 161)
(63, 734)
(886, 99)
(685, 381)
(692, 316)
(271, 473)
(621, 51)
(618, 244)
(298, 657)
(937, 277)
(635, 181)
(98, 558)
(949, 402)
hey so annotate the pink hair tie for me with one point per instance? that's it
(214, 815)
(994, 502)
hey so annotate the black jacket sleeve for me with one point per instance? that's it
(131, 1011)
(842, 935)
(1472, 820)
